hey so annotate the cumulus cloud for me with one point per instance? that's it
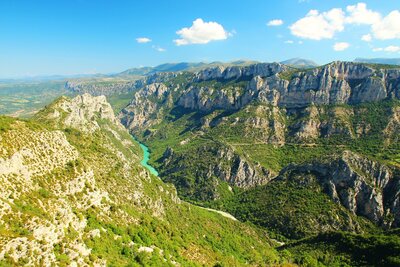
(359, 14)
(201, 33)
(317, 26)
(275, 22)
(389, 49)
(289, 42)
(367, 38)
(325, 25)
(388, 27)
(341, 46)
(143, 40)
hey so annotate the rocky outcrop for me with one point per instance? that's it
(239, 172)
(222, 163)
(114, 85)
(206, 99)
(146, 106)
(82, 112)
(392, 129)
(237, 72)
(276, 84)
(61, 188)
(97, 88)
(363, 186)
(233, 88)
(318, 122)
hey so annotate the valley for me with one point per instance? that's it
(300, 166)
(199, 133)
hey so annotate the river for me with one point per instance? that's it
(146, 157)
(144, 162)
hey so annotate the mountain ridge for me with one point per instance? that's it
(74, 193)
(386, 61)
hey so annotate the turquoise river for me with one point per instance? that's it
(146, 157)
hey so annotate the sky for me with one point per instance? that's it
(48, 37)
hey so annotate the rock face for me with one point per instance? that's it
(98, 88)
(112, 86)
(276, 84)
(223, 164)
(232, 88)
(237, 72)
(392, 129)
(239, 172)
(145, 106)
(364, 187)
(82, 112)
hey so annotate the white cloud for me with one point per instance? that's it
(317, 26)
(359, 14)
(275, 22)
(159, 49)
(388, 27)
(392, 49)
(389, 49)
(289, 42)
(143, 40)
(201, 33)
(367, 38)
(341, 46)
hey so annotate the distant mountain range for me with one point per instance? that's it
(181, 66)
(196, 66)
(300, 63)
(387, 61)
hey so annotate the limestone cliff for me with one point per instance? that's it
(335, 83)
(363, 186)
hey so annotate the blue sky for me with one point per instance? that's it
(45, 37)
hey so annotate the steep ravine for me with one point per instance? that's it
(144, 163)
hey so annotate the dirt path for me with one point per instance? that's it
(223, 213)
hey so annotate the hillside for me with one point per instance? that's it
(309, 157)
(74, 194)
(237, 138)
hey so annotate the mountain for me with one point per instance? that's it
(238, 138)
(167, 67)
(74, 193)
(181, 66)
(300, 63)
(290, 167)
(386, 61)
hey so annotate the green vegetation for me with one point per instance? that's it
(293, 208)
(346, 249)
(140, 222)
(119, 101)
